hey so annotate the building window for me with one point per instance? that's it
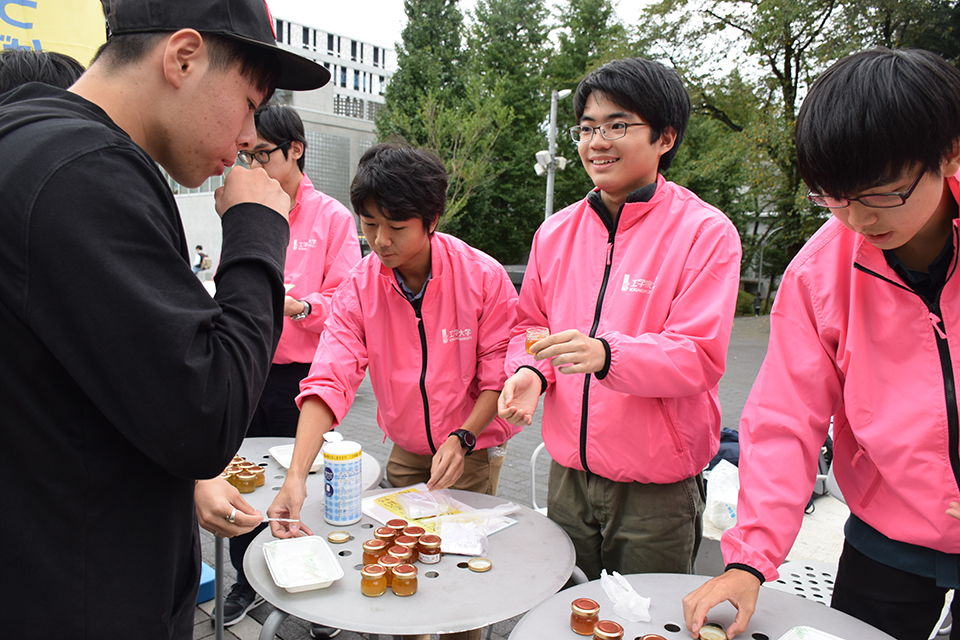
(306, 37)
(343, 77)
(330, 43)
(353, 50)
(376, 56)
(356, 80)
(383, 81)
(279, 30)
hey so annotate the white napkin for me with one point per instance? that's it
(627, 603)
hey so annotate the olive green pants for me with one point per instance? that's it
(628, 527)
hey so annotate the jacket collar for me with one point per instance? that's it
(638, 204)
(437, 240)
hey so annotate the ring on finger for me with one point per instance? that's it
(232, 518)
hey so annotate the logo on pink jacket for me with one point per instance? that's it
(636, 285)
(456, 335)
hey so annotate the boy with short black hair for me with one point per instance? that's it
(19, 66)
(121, 380)
(863, 331)
(637, 284)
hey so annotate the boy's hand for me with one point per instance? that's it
(251, 185)
(519, 398)
(287, 504)
(740, 588)
(216, 501)
(447, 465)
(954, 510)
(571, 352)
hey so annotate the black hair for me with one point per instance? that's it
(875, 114)
(256, 65)
(404, 182)
(278, 124)
(647, 88)
(19, 66)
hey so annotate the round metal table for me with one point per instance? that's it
(777, 613)
(532, 560)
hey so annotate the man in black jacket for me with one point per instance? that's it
(121, 380)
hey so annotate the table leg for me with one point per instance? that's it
(218, 586)
(272, 624)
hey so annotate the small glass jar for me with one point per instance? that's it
(373, 550)
(398, 525)
(429, 549)
(389, 562)
(409, 542)
(246, 464)
(237, 460)
(404, 580)
(261, 475)
(584, 616)
(246, 481)
(373, 580)
(399, 552)
(414, 532)
(232, 472)
(386, 534)
(607, 630)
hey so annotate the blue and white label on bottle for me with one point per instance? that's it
(342, 485)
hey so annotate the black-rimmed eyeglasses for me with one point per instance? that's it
(874, 200)
(609, 130)
(262, 156)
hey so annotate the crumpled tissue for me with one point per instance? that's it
(627, 603)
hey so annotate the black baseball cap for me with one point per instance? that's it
(245, 20)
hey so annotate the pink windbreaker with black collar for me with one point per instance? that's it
(428, 368)
(848, 339)
(661, 291)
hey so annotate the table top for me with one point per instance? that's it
(258, 450)
(532, 560)
(777, 612)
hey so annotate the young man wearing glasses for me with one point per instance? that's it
(323, 248)
(637, 284)
(864, 330)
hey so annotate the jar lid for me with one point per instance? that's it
(430, 540)
(373, 570)
(374, 545)
(338, 537)
(712, 631)
(607, 629)
(257, 469)
(246, 475)
(585, 607)
(390, 561)
(232, 469)
(652, 636)
(237, 459)
(405, 570)
(405, 541)
(415, 532)
(385, 532)
(401, 552)
(397, 523)
(480, 565)
(246, 464)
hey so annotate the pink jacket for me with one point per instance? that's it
(662, 293)
(426, 374)
(323, 248)
(848, 340)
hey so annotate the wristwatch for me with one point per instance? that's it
(467, 440)
(303, 314)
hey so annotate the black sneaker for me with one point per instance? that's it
(241, 599)
(320, 631)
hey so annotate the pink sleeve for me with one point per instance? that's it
(531, 312)
(497, 320)
(342, 254)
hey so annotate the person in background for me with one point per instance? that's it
(323, 248)
(863, 330)
(637, 284)
(198, 259)
(19, 66)
(121, 380)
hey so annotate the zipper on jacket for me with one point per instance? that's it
(593, 332)
(946, 365)
(417, 304)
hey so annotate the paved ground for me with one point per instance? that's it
(747, 348)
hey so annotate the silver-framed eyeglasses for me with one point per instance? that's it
(262, 156)
(874, 200)
(609, 130)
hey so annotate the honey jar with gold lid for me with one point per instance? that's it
(398, 525)
(260, 472)
(399, 552)
(373, 580)
(404, 580)
(585, 613)
(386, 534)
(373, 550)
(410, 543)
(389, 562)
(429, 549)
(246, 481)
(414, 531)
(607, 630)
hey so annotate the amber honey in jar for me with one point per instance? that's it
(584, 616)
(404, 580)
(232, 472)
(389, 562)
(429, 549)
(607, 630)
(373, 550)
(246, 481)
(535, 335)
(386, 534)
(261, 475)
(399, 552)
(398, 525)
(373, 580)
(409, 543)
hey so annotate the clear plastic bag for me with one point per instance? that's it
(418, 504)
(722, 489)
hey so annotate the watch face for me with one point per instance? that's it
(469, 438)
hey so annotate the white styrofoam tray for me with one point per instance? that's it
(302, 564)
(284, 455)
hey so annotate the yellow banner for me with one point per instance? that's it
(73, 27)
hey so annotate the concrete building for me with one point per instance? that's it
(339, 120)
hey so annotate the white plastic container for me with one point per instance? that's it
(342, 480)
(302, 564)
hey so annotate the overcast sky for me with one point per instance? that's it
(380, 22)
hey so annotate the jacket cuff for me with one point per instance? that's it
(543, 380)
(748, 569)
(600, 375)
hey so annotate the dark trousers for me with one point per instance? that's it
(902, 604)
(276, 416)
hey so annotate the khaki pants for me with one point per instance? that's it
(629, 527)
(481, 474)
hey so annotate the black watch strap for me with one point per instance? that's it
(467, 440)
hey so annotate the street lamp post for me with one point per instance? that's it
(549, 160)
(760, 266)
